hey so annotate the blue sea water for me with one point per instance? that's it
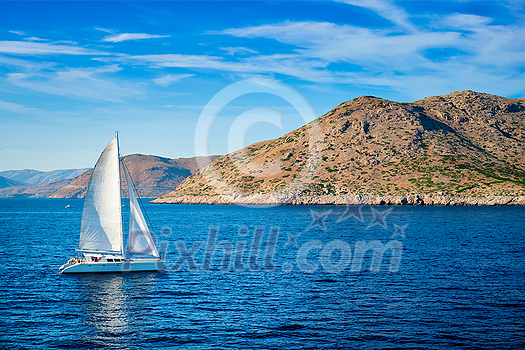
(456, 279)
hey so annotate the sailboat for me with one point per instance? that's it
(101, 234)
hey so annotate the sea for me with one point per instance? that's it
(282, 277)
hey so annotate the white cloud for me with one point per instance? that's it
(344, 43)
(169, 79)
(34, 38)
(25, 64)
(117, 38)
(37, 49)
(397, 60)
(323, 52)
(111, 31)
(17, 32)
(37, 114)
(385, 9)
(83, 83)
(317, 52)
(235, 50)
(493, 45)
(175, 60)
(18, 108)
(291, 65)
(463, 21)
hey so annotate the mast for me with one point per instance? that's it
(120, 204)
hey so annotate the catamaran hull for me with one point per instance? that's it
(102, 267)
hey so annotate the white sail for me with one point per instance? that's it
(101, 228)
(140, 240)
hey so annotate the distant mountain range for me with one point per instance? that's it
(34, 183)
(465, 148)
(153, 177)
(35, 177)
(5, 182)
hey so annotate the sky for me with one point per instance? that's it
(72, 73)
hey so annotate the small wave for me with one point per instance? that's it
(73, 344)
(511, 305)
(379, 337)
(451, 337)
(290, 327)
(207, 308)
(173, 340)
(454, 288)
(326, 280)
(178, 293)
(259, 335)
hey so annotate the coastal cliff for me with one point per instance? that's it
(465, 148)
(423, 199)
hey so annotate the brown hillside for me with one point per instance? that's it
(42, 190)
(464, 144)
(153, 176)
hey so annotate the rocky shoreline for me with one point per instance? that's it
(415, 199)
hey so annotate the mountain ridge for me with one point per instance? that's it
(153, 176)
(7, 182)
(33, 191)
(37, 177)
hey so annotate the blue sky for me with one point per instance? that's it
(72, 73)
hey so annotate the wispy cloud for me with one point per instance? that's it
(174, 60)
(117, 38)
(448, 47)
(37, 49)
(170, 78)
(24, 63)
(385, 9)
(237, 50)
(96, 84)
(463, 21)
(111, 31)
(18, 108)
(34, 38)
(332, 42)
(399, 56)
(490, 45)
(291, 65)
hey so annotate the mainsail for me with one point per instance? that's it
(140, 240)
(101, 228)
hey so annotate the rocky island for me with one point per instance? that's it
(465, 148)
